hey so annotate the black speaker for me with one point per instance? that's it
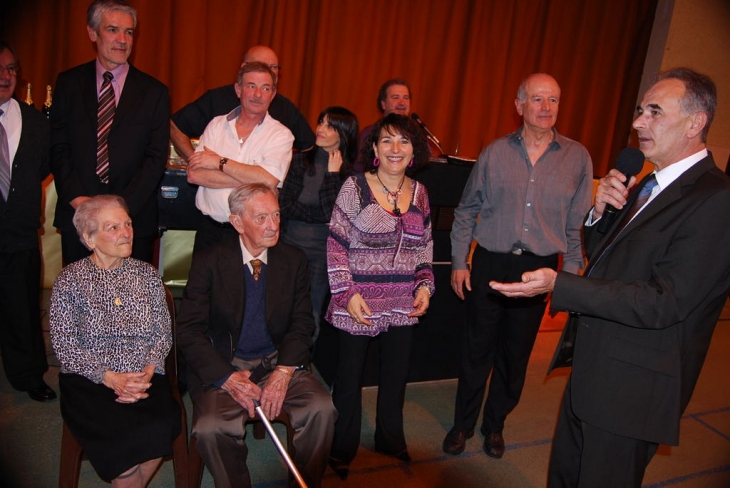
(445, 184)
(176, 202)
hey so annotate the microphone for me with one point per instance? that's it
(429, 134)
(630, 161)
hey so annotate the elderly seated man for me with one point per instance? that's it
(246, 312)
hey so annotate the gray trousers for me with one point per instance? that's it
(219, 428)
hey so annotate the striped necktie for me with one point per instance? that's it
(106, 117)
(4, 162)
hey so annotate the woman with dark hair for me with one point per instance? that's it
(379, 257)
(110, 329)
(309, 193)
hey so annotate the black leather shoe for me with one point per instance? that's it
(341, 469)
(455, 441)
(403, 455)
(43, 393)
(494, 445)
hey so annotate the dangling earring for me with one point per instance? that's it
(376, 162)
(410, 164)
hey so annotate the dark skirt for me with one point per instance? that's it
(116, 436)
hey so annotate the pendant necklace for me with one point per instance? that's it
(392, 196)
(117, 301)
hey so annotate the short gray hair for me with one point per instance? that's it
(100, 7)
(85, 217)
(238, 197)
(700, 93)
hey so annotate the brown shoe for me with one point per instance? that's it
(455, 441)
(494, 445)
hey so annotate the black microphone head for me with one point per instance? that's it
(415, 117)
(630, 161)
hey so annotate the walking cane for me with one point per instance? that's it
(278, 444)
(256, 374)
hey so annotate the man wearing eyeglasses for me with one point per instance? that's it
(191, 120)
(24, 142)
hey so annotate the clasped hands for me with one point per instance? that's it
(271, 397)
(359, 310)
(129, 387)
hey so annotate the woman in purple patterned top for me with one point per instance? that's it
(379, 257)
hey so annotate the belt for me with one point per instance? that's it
(222, 225)
(522, 252)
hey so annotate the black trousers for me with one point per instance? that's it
(584, 456)
(395, 352)
(498, 336)
(143, 248)
(211, 233)
(21, 337)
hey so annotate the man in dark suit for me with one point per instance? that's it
(245, 328)
(654, 288)
(24, 140)
(126, 153)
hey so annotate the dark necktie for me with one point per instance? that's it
(4, 162)
(256, 265)
(638, 204)
(106, 117)
(640, 201)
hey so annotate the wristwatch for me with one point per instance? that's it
(222, 163)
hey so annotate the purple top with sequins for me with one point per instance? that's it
(382, 257)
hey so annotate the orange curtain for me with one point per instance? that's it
(463, 58)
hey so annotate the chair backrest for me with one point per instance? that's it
(171, 360)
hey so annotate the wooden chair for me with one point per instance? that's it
(72, 454)
(195, 462)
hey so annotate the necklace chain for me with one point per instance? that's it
(392, 196)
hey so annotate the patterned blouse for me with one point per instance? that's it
(382, 257)
(109, 319)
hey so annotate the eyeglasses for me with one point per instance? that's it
(11, 69)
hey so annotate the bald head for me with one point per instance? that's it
(534, 79)
(537, 102)
(262, 54)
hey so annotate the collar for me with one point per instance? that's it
(516, 138)
(120, 72)
(247, 256)
(9, 107)
(666, 176)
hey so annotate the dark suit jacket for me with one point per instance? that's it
(20, 216)
(138, 144)
(649, 307)
(211, 313)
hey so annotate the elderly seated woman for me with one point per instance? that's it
(110, 329)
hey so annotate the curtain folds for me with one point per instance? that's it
(463, 58)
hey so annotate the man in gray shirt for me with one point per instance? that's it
(524, 204)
